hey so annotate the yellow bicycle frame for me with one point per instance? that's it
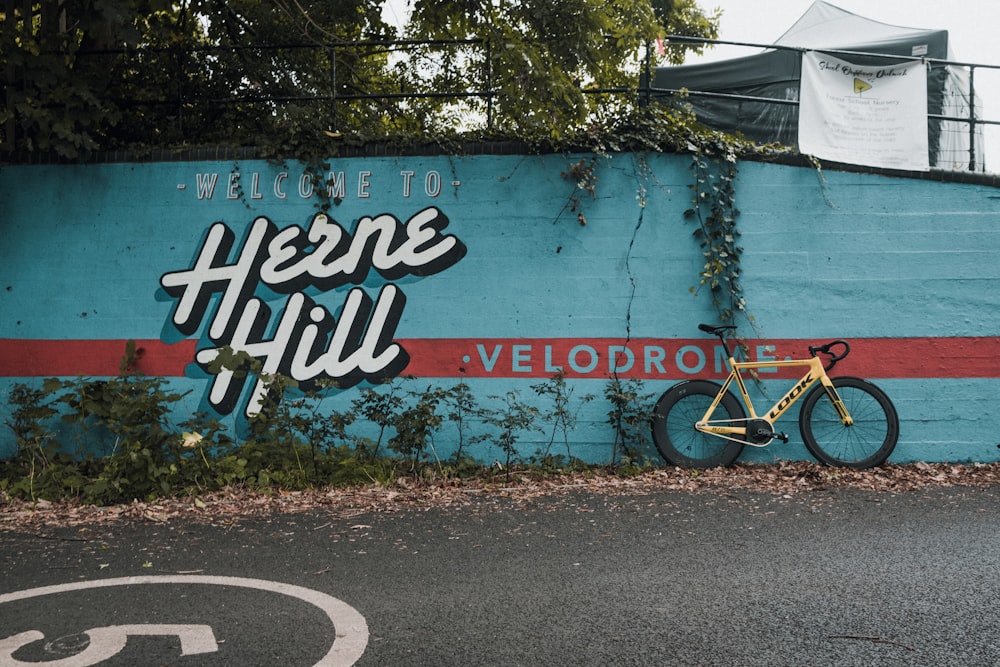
(726, 429)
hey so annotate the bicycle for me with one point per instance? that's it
(856, 426)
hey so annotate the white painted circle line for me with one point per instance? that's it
(350, 626)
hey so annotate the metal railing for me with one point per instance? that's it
(974, 124)
(173, 95)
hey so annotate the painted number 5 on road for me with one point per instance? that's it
(351, 630)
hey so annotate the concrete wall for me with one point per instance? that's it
(490, 278)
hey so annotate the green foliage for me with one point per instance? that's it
(38, 469)
(295, 441)
(629, 418)
(462, 408)
(207, 460)
(379, 408)
(152, 74)
(512, 419)
(714, 209)
(415, 425)
(581, 173)
(541, 58)
(32, 408)
(299, 79)
(129, 409)
(561, 416)
(274, 449)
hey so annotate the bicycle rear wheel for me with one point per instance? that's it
(673, 423)
(866, 443)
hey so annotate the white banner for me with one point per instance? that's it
(864, 114)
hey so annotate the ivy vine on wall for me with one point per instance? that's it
(714, 168)
(714, 209)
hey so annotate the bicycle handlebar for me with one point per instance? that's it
(814, 350)
(825, 349)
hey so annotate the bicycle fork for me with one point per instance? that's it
(838, 403)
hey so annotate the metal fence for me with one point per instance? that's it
(478, 103)
(979, 132)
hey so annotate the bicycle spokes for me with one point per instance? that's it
(674, 431)
(866, 441)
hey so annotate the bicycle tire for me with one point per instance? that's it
(865, 444)
(673, 421)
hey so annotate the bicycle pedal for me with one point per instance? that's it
(781, 436)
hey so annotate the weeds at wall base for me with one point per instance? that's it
(107, 441)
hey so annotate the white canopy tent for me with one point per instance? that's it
(775, 74)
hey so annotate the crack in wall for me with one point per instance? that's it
(641, 197)
(631, 276)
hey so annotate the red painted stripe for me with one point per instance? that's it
(973, 357)
(71, 358)
(869, 357)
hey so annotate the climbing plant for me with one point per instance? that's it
(714, 167)
(714, 210)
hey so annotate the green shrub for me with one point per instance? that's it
(295, 441)
(629, 418)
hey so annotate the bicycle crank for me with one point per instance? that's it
(760, 433)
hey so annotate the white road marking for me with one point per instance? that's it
(350, 627)
(110, 641)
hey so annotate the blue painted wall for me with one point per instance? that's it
(834, 255)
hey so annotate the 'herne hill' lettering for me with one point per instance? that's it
(309, 343)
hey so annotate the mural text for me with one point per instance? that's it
(309, 342)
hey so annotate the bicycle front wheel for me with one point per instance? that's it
(867, 443)
(674, 417)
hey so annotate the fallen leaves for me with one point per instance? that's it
(783, 479)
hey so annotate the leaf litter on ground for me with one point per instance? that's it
(787, 478)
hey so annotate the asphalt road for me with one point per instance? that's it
(817, 578)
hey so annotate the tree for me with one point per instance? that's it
(87, 74)
(55, 101)
(545, 60)
(291, 76)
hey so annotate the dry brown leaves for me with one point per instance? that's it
(233, 505)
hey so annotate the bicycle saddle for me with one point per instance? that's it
(715, 330)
